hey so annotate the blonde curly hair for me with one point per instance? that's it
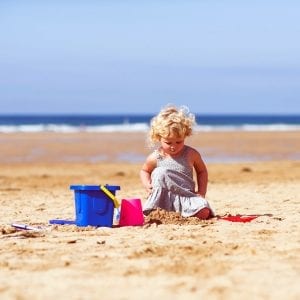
(171, 122)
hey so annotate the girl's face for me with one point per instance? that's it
(172, 145)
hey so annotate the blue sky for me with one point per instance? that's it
(118, 56)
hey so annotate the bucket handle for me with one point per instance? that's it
(110, 195)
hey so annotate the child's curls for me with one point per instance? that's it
(171, 122)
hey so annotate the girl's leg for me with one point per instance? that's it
(203, 214)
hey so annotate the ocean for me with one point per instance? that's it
(134, 123)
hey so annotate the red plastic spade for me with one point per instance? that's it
(239, 218)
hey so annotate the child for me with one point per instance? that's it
(167, 173)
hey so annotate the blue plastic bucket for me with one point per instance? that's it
(92, 206)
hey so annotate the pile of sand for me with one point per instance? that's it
(161, 216)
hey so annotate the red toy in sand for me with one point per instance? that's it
(239, 218)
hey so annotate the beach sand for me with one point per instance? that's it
(167, 258)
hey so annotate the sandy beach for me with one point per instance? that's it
(250, 173)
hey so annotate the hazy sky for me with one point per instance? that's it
(118, 56)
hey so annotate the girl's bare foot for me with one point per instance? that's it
(203, 214)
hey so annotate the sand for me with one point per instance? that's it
(168, 257)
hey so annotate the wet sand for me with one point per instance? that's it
(170, 259)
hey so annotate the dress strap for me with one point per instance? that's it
(158, 155)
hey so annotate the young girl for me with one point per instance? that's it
(167, 173)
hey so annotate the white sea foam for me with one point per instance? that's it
(248, 127)
(138, 127)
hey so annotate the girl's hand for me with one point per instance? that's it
(203, 196)
(149, 189)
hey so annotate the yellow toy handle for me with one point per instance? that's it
(110, 195)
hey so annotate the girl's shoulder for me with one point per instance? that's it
(192, 153)
(190, 150)
(150, 163)
(154, 156)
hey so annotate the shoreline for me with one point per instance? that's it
(131, 147)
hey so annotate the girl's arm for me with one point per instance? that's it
(145, 173)
(201, 173)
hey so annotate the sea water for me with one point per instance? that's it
(140, 123)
